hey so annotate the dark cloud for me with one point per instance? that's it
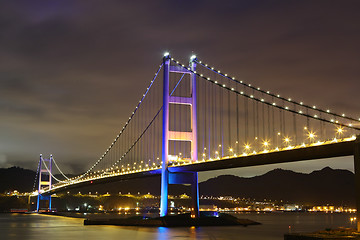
(72, 71)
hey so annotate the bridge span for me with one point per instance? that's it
(199, 118)
(315, 152)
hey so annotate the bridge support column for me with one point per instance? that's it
(195, 196)
(357, 179)
(165, 139)
(192, 179)
(164, 192)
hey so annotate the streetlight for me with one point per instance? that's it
(311, 135)
(217, 154)
(287, 140)
(266, 144)
(247, 147)
(339, 131)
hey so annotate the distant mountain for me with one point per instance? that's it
(326, 186)
(16, 178)
(22, 180)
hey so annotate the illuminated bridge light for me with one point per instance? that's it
(339, 130)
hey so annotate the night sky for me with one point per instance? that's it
(71, 72)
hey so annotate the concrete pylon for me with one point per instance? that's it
(45, 180)
(357, 179)
(168, 177)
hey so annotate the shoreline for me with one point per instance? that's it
(181, 220)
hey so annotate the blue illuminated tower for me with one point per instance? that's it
(45, 180)
(168, 177)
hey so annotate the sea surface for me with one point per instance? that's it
(274, 226)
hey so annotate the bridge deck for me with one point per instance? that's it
(293, 155)
(285, 156)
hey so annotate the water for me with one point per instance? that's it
(274, 225)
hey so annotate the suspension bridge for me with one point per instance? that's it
(195, 118)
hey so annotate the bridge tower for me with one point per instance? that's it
(357, 179)
(168, 177)
(45, 180)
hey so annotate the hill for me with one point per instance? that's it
(325, 186)
(16, 178)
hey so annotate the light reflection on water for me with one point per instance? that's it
(274, 225)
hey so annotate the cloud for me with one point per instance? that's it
(71, 72)
(3, 160)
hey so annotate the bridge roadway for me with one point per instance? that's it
(328, 150)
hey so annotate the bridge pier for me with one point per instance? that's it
(164, 192)
(180, 178)
(357, 179)
(195, 196)
(41, 198)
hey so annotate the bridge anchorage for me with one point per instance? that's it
(201, 119)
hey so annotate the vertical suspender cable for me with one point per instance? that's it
(321, 126)
(221, 109)
(205, 117)
(237, 125)
(208, 101)
(229, 122)
(254, 119)
(263, 119)
(214, 117)
(284, 121)
(273, 122)
(257, 119)
(246, 119)
(307, 119)
(268, 118)
(281, 122)
(295, 130)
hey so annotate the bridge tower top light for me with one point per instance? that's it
(193, 58)
(166, 55)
